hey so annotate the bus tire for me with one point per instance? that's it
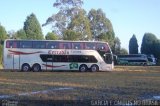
(83, 68)
(36, 67)
(25, 67)
(94, 68)
(144, 64)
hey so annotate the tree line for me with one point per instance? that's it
(71, 22)
(150, 46)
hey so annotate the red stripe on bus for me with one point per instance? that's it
(23, 53)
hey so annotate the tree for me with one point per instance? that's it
(107, 37)
(51, 36)
(117, 46)
(151, 45)
(11, 34)
(80, 24)
(156, 53)
(68, 9)
(3, 34)
(20, 34)
(123, 51)
(1, 52)
(133, 45)
(32, 28)
(101, 27)
(99, 23)
(71, 35)
(147, 46)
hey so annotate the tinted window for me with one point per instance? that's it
(108, 58)
(39, 44)
(150, 60)
(65, 45)
(52, 45)
(12, 44)
(137, 60)
(68, 58)
(77, 45)
(47, 58)
(102, 47)
(54, 58)
(130, 56)
(25, 44)
(90, 45)
(82, 58)
(60, 58)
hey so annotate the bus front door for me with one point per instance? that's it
(16, 62)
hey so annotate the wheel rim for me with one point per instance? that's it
(83, 69)
(25, 68)
(36, 68)
(94, 69)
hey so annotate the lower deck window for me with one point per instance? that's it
(68, 58)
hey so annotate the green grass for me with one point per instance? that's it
(125, 83)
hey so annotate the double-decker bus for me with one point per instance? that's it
(38, 55)
(135, 59)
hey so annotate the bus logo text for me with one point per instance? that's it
(57, 52)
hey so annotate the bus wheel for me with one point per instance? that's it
(144, 64)
(83, 68)
(36, 67)
(25, 67)
(94, 68)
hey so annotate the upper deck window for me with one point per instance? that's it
(65, 45)
(39, 44)
(102, 47)
(12, 44)
(52, 45)
(77, 45)
(25, 44)
(90, 45)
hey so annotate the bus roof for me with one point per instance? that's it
(56, 40)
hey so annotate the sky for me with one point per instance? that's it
(128, 17)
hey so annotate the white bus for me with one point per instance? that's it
(135, 59)
(38, 55)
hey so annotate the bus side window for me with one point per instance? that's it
(77, 45)
(25, 44)
(39, 45)
(12, 44)
(52, 45)
(15, 44)
(100, 47)
(66, 45)
(90, 46)
(103, 47)
(9, 44)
